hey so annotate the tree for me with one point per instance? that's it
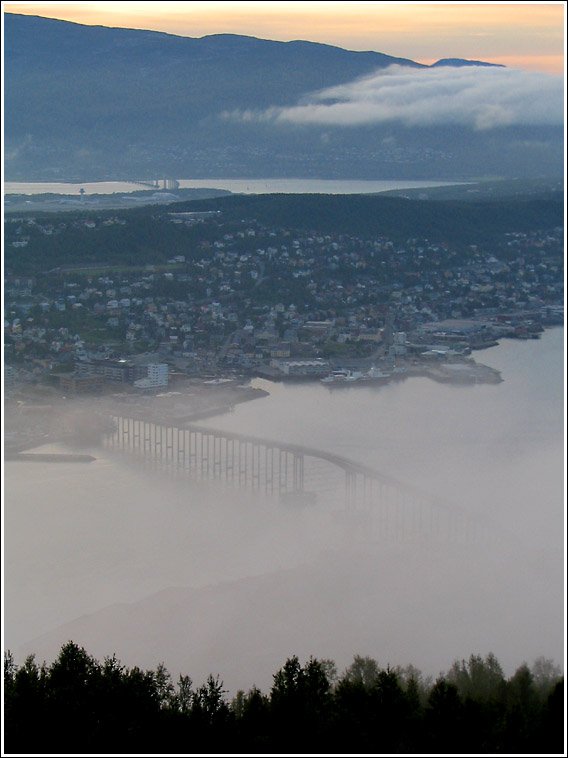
(523, 712)
(10, 670)
(252, 714)
(330, 670)
(299, 701)
(164, 687)
(550, 737)
(286, 681)
(478, 678)
(444, 719)
(183, 698)
(412, 679)
(209, 699)
(25, 704)
(364, 671)
(546, 674)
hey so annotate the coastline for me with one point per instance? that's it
(441, 364)
(200, 400)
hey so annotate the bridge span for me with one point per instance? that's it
(292, 474)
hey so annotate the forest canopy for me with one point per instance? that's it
(78, 704)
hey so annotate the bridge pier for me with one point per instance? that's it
(298, 480)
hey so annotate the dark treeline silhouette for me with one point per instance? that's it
(80, 705)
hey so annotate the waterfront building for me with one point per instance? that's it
(157, 376)
(76, 383)
(302, 368)
(122, 371)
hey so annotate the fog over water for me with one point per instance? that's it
(126, 560)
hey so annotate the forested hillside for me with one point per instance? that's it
(148, 236)
(90, 102)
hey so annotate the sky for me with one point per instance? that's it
(528, 36)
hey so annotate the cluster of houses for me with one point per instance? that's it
(246, 296)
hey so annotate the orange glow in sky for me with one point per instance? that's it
(529, 35)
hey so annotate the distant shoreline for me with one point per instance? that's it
(260, 185)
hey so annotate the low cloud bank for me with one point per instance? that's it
(477, 97)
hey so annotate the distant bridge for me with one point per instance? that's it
(155, 183)
(294, 474)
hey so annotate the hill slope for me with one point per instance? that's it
(149, 237)
(91, 102)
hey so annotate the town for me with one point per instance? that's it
(250, 299)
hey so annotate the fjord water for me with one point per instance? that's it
(127, 561)
(481, 446)
(245, 186)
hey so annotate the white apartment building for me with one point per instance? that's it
(158, 376)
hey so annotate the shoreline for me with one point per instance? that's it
(208, 401)
(466, 370)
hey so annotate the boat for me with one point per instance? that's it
(378, 374)
(355, 376)
(340, 375)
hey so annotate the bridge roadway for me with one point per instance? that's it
(293, 473)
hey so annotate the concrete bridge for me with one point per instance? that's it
(294, 475)
(155, 183)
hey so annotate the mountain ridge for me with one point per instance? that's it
(13, 18)
(231, 36)
(459, 62)
(95, 102)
